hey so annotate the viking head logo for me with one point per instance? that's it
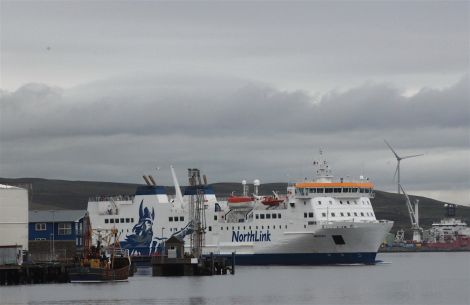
(139, 241)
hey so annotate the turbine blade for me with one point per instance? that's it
(412, 156)
(389, 146)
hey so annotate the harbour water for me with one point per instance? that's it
(403, 278)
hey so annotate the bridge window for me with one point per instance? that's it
(345, 190)
(261, 216)
(361, 190)
(181, 218)
(323, 214)
(268, 216)
(128, 220)
(310, 214)
(274, 216)
(367, 190)
(170, 219)
(105, 221)
(313, 190)
(337, 190)
(116, 220)
(122, 220)
(279, 215)
(111, 220)
(320, 190)
(305, 215)
(328, 190)
(132, 219)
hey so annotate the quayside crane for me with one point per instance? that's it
(414, 216)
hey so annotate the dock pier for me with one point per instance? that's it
(33, 274)
(186, 266)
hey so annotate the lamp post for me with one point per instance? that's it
(163, 243)
(53, 233)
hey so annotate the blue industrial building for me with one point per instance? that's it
(57, 225)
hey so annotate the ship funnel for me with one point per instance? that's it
(147, 180)
(152, 180)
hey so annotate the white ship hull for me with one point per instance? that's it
(318, 222)
(144, 224)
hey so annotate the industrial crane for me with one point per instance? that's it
(414, 216)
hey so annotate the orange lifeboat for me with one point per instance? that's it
(235, 202)
(271, 201)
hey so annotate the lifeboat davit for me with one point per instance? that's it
(271, 201)
(238, 202)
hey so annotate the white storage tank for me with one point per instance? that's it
(14, 204)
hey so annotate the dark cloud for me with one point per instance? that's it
(164, 107)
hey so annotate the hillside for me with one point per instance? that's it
(63, 194)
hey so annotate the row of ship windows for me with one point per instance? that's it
(310, 214)
(254, 227)
(175, 218)
(348, 214)
(240, 228)
(333, 190)
(341, 202)
(268, 216)
(118, 220)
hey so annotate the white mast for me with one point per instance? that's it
(178, 194)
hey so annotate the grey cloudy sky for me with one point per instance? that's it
(110, 90)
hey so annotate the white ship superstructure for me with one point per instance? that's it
(317, 222)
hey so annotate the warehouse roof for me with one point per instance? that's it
(56, 215)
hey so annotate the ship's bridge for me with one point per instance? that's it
(334, 189)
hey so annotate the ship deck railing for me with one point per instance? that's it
(112, 198)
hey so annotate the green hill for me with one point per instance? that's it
(63, 194)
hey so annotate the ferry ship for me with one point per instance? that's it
(322, 221)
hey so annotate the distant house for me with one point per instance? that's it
(55, 234)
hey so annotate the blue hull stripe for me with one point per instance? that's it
(305, 258)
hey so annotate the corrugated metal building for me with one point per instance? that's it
(14, 204)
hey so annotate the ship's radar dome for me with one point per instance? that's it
(256, 182)
(243, 182)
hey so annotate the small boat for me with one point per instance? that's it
(238, 202)
(101, 263)
(271, 201)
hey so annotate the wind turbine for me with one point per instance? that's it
(397, 170)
